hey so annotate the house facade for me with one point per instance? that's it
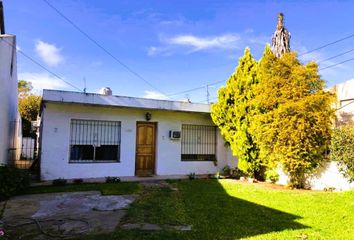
(93, 135)
(345, 101)
(10, 137)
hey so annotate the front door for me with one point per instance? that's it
(145, 149)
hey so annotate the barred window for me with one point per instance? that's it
(198, 143)
(94, 141)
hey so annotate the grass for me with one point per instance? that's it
(171, 211)
(228, 210)
(121, 188)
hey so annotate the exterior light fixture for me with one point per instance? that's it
(148, 116)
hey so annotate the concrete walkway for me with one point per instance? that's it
(63, 215)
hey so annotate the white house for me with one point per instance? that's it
(85, 135)
(345, 101)
(9, 119)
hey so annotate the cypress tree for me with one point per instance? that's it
(232, 113)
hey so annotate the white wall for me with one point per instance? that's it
(56, 133)
(8, 95)
(345, 102)
(326, 176)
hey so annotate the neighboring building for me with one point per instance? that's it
(9, 119)
(328, 174)
(345, 101)
(86, 135)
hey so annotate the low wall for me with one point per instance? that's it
(326, 176)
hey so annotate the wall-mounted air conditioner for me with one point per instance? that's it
(175, 135)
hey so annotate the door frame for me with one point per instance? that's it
(136, 145)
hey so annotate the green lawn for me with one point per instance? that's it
(105, 188)
(226, 209)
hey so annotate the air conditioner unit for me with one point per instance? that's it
(175, 135)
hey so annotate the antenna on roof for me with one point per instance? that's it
(84, 85)
(2, 21)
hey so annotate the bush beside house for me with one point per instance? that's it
(342, 150)
(12, 181)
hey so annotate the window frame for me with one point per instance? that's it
(200, 157)
(89, 161)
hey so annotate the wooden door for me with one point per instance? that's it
(145, 149)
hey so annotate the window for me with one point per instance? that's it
(198, 143)
(94, 141)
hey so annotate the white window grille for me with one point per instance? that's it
(198, 143)
(94, 141)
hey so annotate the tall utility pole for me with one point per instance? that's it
(2, 20)
(281, 38)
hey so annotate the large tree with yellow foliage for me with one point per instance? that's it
(275, 112)
(292, 120)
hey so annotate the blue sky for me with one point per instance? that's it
(175, 45)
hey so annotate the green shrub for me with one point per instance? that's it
(191, 176)
(226, 171)
(342, 150)
(59, 182)
(272, 176)
(236, 173)
(112, 179)
(13, 181)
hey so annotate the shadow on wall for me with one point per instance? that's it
(320, 170)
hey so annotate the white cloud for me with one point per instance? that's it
(189, 43)
(42, 81)
(152, 51)
(49, 53)
(154, 95)
(226, 41)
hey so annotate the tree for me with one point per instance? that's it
(28, 106)
(24, 88)
(342, 150)
(281, 38)
(293, 115)
(232, 113)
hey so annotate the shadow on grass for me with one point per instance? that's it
(211, 211)
(217, 215)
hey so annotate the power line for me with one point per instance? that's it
(188, 90)
(344, 106)
(323, 46)
(341, 54)
(40, 65)
(338, 55)
(211, 100)
(330, 66)
(328, 44)
(194, 89)
(101, 47)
